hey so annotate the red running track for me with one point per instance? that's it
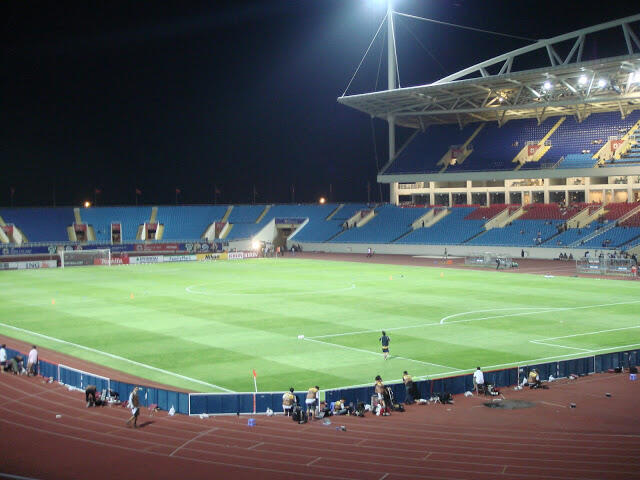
(596, 440)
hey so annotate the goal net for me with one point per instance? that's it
(605, 266)
(75, 258)
(490, 259)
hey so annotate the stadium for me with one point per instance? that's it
(509, 241)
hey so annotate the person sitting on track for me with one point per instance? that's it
(90, 395)
(533, 380)
(340, 407)
(312, 400)
(288, 400)
(13, 365)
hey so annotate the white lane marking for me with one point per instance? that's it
(200, 435)
(116, 357)
(375, 353)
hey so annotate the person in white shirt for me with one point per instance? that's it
(478, 380)
(3, 357)
(32, 362)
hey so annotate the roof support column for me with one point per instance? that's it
(391, 80)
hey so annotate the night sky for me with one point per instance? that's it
(191, 95)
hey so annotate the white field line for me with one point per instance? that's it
(190, 289)
(442, 321)
(590, 333)
(538, 342)
(116, 357)
(375, 353)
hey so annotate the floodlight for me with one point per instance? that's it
(255, 244)
(322, 200)
(547, 85)
(582, 80)
(602, 82)
(87, 204)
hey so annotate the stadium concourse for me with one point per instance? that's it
(47, 433)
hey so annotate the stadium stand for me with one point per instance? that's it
(486, 213)
(40, 224)
(245, 213)
(577, 160)
(613, 238)
(520, 233)
(389, 223)
(495, 147)
(100, 218)
(454, 228)
(572, 235)
(188, 222)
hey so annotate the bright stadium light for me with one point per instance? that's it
(547, 85)
(87, 204)
(582, 81)
(602, 82)
(322, 200)
(255, 244)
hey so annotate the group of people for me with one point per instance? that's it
(15, 364)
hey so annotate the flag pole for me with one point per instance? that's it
(255, 385)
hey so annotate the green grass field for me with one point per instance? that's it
(205, 326)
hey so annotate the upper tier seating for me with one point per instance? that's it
(549, 211)
(452, 229)
(389, 223)
(495, 147)
(616, 210)
(130, 218)
(633, 221)
(578, 160)
(520, 233)
(40, 224)
(486, 213)
(188, 223)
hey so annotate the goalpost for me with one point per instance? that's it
(75, 258)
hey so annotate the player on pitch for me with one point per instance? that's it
(384, 340)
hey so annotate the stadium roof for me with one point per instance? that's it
(565, 86)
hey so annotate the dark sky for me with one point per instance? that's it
(165, 95)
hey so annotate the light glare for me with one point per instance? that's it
(582, 80)
(87, 204)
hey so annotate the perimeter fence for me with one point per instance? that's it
(240, 403)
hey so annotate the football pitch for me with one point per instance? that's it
(205, 326)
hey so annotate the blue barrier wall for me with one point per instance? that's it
(234, 403)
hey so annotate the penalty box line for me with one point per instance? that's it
(361, 350)
(117, 357)
(443, 321)
(543, 341)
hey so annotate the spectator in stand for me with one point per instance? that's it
(3, 357)
(32, 362)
